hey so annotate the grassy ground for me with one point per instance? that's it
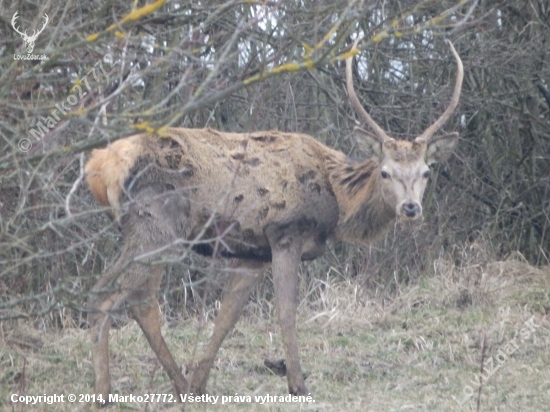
(419, 349)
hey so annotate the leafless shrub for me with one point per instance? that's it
(226, 66)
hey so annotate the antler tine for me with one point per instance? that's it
(35, 33)
(13, 22)
(379, 132)
(428, 133)
(46, 20)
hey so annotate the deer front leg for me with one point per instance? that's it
(285, 264)
(241, 284)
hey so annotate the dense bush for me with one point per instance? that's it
(277, 65)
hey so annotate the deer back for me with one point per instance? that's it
(226, 189)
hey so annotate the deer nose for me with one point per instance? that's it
(411, 209)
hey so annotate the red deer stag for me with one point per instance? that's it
(250, 199)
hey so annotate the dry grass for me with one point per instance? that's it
(413, 350)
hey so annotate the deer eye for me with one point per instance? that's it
(384, 174)
(427, 174)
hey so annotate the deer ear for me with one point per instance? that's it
(369, 144)
(440, 148)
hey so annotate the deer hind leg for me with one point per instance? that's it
(99, 305)
(145, 310)
(240, 286)
(285, 264)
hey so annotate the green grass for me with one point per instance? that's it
(413, 350)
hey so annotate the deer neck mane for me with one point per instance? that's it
(364, 214)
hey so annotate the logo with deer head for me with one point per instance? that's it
(29, 40)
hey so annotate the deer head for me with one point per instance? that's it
(29, 40)
(403, 165)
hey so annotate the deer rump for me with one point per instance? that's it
(221, 192)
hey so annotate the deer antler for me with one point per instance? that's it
(428, 133)
(13, 19)
(36, 33)
(380, 134)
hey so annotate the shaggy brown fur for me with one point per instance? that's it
(248, 182)
(251, 199)
(254, 197)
